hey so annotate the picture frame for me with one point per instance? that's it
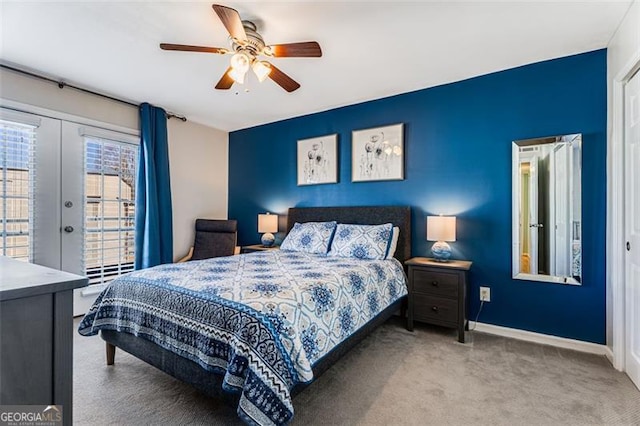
(378, 153)
(318, 160)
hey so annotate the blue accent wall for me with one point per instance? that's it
(458, 162)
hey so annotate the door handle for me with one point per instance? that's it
(68, 229)
(628, 246)
(536, 225)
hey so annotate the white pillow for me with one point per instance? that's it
(393, 245)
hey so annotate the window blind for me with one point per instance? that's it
(109, 187)
(17, 177)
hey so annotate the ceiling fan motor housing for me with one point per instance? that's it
(254, 44)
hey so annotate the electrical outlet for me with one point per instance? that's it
(485, 294)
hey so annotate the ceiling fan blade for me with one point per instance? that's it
(305, 49)
(225, 82)
(231, 21)
(187, 48)
(286, 82)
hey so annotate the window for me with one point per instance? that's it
(17, 144)
(109, 188)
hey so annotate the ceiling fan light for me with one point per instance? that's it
(237, 75)
(241, 62)
(261, 69)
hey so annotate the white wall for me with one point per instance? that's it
(199, 160)
(198, 154)
(622, 48)
(625, 43)
(32, 91)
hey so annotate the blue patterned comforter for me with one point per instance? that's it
(261, 319)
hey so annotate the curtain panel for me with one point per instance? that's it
(154, 228)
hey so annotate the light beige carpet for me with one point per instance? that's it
(394, 377)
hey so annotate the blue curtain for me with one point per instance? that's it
(154, 229)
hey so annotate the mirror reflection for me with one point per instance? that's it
(547, 215)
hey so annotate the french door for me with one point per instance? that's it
(29, 189)
(632, 228)
(98, 197)
(67, 196)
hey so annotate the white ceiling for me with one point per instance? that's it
(371, 49)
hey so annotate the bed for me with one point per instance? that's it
(294, 321)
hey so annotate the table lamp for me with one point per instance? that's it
(267, 223)
(441, 229)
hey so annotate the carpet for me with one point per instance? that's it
(393, 377)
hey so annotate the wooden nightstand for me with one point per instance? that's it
(438, 293)
(257, 247)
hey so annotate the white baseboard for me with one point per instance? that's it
(609, 354)
(545, 339)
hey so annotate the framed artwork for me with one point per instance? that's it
(318, 160)
(378, 154)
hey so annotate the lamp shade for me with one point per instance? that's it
(241, 62)
(237, 75)
(267, 223)
(262, 69)
(441, 228)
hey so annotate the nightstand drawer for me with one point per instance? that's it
(440, 283)
(429, 308)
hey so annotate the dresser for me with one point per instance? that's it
(438, 293)
(36, 335)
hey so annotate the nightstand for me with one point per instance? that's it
(438, 293)
(258, 247)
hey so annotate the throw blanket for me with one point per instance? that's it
(261, 319)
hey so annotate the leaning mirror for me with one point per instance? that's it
(547, 214)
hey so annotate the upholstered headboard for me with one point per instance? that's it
(400, 216)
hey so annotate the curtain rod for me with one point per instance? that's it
(61, 84)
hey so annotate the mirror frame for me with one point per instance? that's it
(515, 212)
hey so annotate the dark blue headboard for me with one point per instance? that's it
(400, 216)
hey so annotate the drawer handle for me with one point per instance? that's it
(434, 283)
(434, 308)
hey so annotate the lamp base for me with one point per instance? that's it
(441, 251)
(268, 239)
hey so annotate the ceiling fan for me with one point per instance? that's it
(247, 46)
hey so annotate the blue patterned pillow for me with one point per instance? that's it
(309, 237)
(361, 241)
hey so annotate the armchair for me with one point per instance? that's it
(214, 238)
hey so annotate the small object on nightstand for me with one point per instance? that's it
(257, 247)
(438, 293)
(267, 223)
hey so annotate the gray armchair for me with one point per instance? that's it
(214, 238)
